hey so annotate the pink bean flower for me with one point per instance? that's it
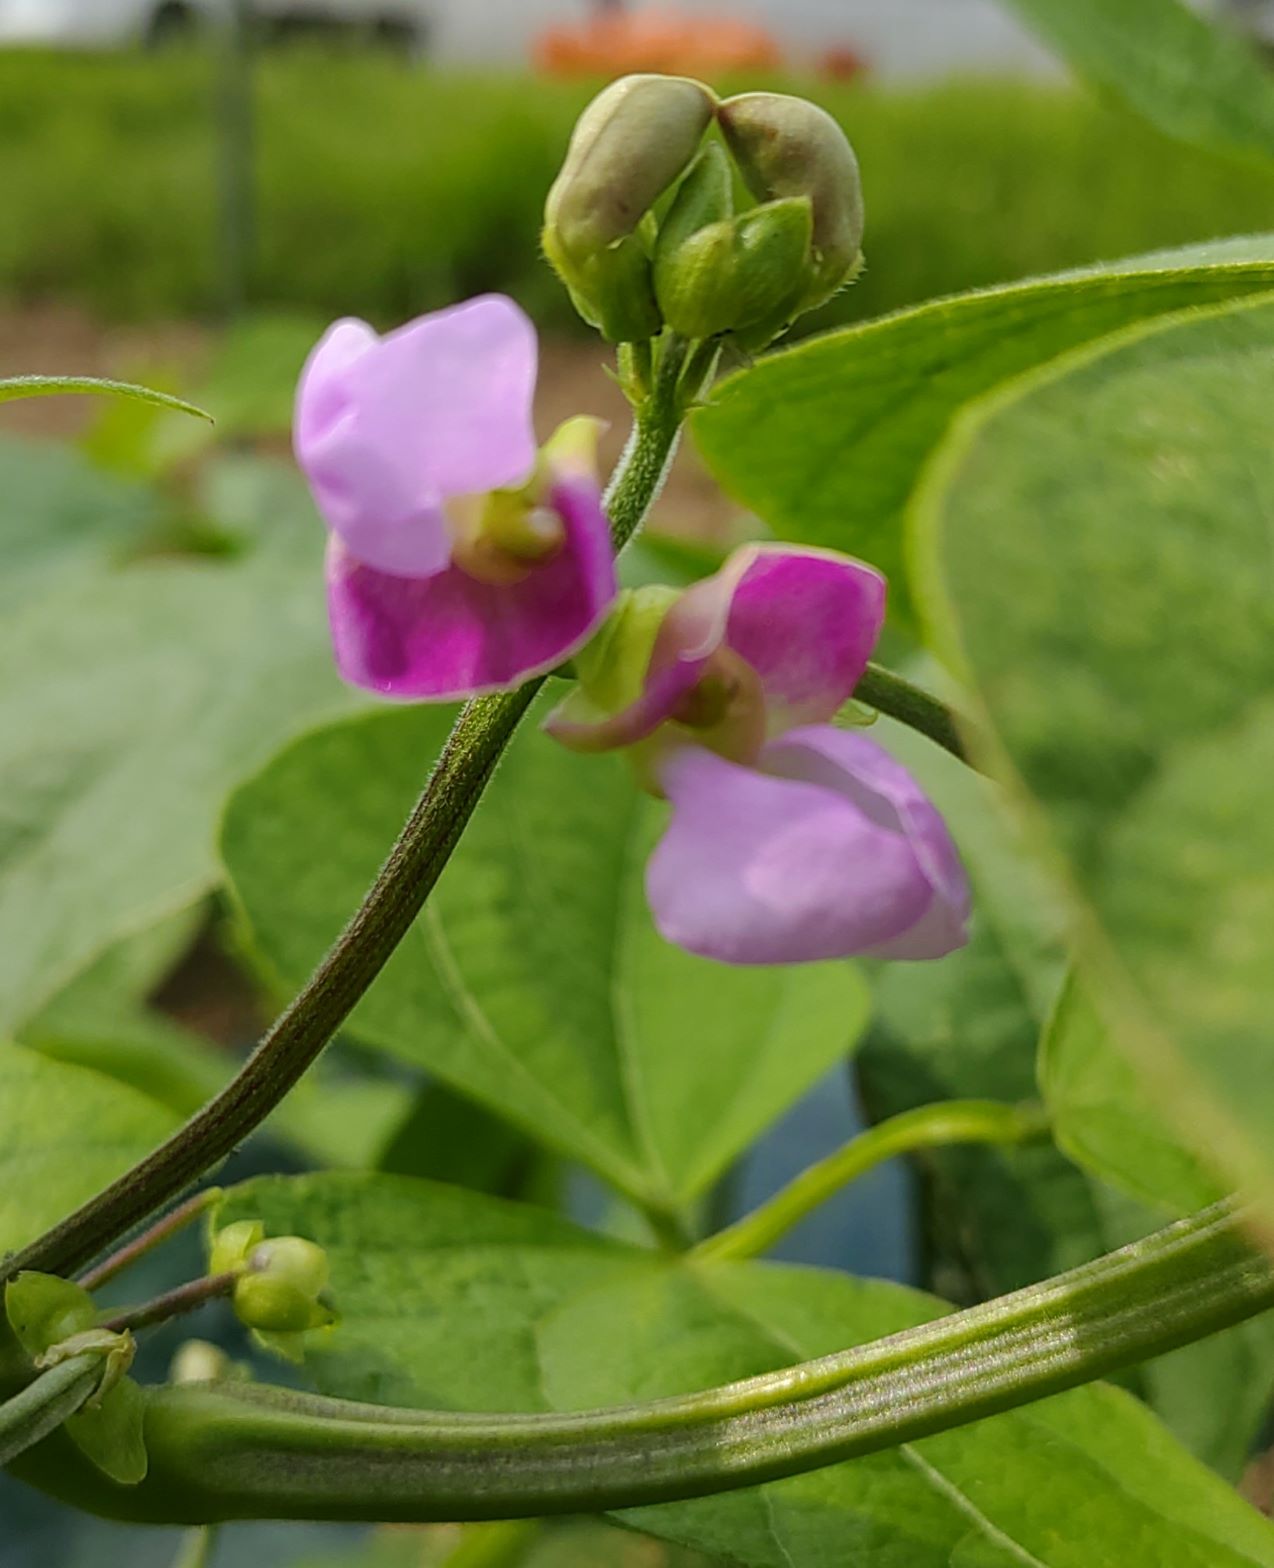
(460, 559)
(790, 839)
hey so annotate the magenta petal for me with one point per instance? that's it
(453, 636)
(388, 429)
(806, 621)
(853, 765)
(757, 869)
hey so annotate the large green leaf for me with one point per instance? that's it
(131, 703)
(61, 519)
(64, 1132)
(1097, 543)
(103, 1019)
(452, 1299)
(534, 980)
(1103, 1117)
(997, 1219)
(1192, 78)
(826, 441)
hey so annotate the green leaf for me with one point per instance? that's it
(534, 980)
(1194, 79)
(63, 520)
(827, 440)
(400, 1251)
(451, 1299)
(1097, 542)
(64, 1133)
(14, 387)
(1103, 1117)
(997, 1219)
(102, 1020)
(132, 705)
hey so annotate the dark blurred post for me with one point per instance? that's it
(236, 155)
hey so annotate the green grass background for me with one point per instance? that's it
(386, 190)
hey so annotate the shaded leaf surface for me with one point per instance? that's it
(1100, 545)
(534, 980)
(1193, 78)
(131, 705)
(64, 1133)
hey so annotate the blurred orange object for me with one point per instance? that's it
(655, 39)
(842, 64)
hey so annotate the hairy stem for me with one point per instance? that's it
(235, 1451)
(175, 1220)
(889, 693)
(482, 731)
(926, 1127)
(173, 1303)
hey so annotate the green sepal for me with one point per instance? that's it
(611, 288)
(232, 1246)
(742, 275)
(110, 1433)
(44, 1310)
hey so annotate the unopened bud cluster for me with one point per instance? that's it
(644, 227)
(280, 1281)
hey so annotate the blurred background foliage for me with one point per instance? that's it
(385, 190)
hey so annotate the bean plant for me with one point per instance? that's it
(591, 853)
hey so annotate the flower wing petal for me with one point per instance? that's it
(807, 621)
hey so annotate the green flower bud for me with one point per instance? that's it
(262, 1301)
(301, 1263)
(788, 147)
(716, 273)
(627, 149)
(279, 1290)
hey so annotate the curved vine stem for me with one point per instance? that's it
(235, 1451)
(482, 731)
(926, 1127)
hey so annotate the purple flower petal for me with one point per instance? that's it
(388, 429)
(453, 636)
(853, 764)
(833, 851)
(806, 621)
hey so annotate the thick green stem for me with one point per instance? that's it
(293, 1044)
(235, 1451)
(926, 1127)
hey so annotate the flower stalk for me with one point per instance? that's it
(926, 1127)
